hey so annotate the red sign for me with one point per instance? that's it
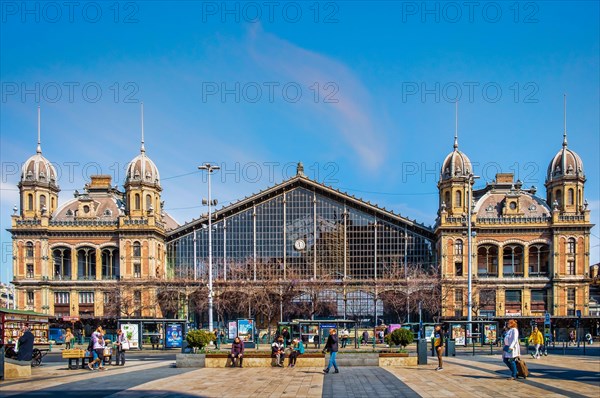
(70, 318)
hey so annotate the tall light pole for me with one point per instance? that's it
(471, 181)
(209, 168)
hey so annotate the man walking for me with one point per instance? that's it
(332, 346)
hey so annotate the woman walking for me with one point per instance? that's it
(332, 347)
(511, 349)
(98, 346)
(121, 338)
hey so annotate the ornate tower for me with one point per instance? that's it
(565, 180)
(142, 185)
(37, 188)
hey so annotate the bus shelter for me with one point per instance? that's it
(316, 331)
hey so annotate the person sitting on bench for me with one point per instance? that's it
(237, 352)
(297, 350)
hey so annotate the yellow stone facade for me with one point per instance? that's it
(99, 254)
(529, 255)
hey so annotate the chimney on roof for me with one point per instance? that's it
(504, 178)
(100, 182)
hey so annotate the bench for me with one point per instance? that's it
(263, 360)
(75, 355)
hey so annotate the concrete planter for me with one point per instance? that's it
(396, 359)
(356, 359)
(190, 360)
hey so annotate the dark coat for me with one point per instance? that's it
(332, 343)
(237, 348)
(25, 347)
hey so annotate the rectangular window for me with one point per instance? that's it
(513, 302)
(61, 297)
(459, 269)
(137, 297)
(571, 267)
(487, 300)
(107, 298)
(29, 271)
(137, 270)
(30, 298)
(458, 296)
(86, 297)
(571, 295)
(538, 300)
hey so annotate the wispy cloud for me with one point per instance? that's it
(351, 112)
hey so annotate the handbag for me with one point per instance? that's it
(125, 346)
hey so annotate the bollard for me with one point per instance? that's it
(564, 348)
(583, 347)
(491, 349)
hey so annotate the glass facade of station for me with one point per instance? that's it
(299, 235)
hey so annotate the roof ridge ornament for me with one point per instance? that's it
(300, 170)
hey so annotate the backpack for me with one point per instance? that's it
(90, 346)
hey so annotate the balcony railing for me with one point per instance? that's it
(487, 274)
(62, 277)
(86, 277)
(110, 277)
(512, 220)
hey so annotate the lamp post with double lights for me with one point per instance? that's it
(210, 168)
(471, 182)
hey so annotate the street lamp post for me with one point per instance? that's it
(471, 181)
(210, 168)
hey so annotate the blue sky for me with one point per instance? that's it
(361, 92)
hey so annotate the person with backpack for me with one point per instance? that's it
(97, 342)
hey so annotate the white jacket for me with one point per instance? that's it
(512, 340)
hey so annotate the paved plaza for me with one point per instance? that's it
(463, 376)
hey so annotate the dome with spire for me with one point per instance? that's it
(566, 163)
(37, 168)
(456, 164)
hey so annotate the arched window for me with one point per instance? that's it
(487, 260)
(86, 263)
(538, 260)
(512, 260)
(137, 249)
(458, 248)
(148, 202)
(559, 197)
(53, 204)
(62, 263)
(458, 198)
(571, 246)
(42, 201)
(447, 198)
(137, 201)
(30, 201)
(571, 197)
(29, 249)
